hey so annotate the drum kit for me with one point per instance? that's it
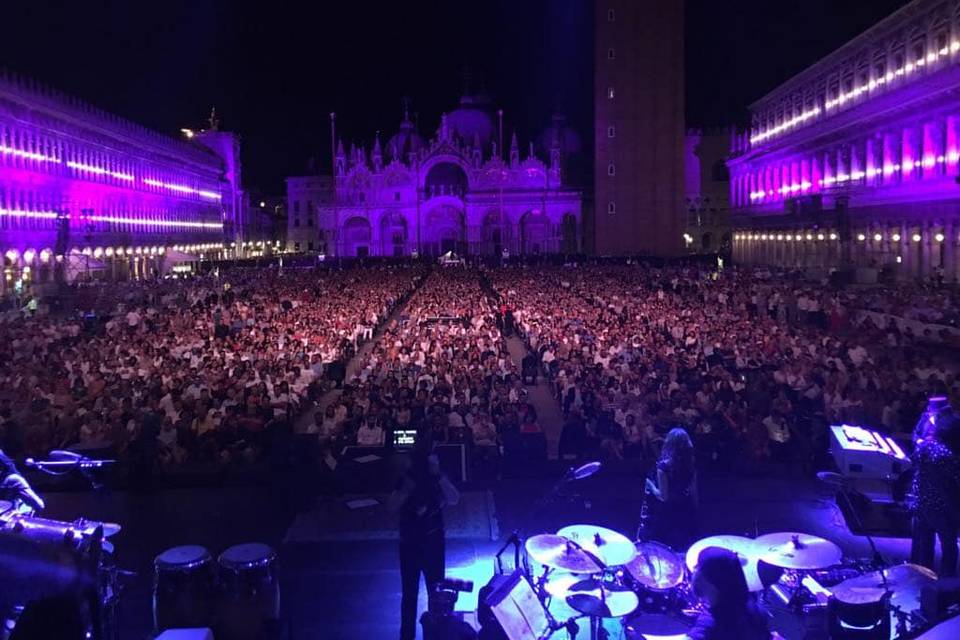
(602, 575)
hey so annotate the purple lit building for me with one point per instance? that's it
(82, 189)
(455, 192)
(853, 163)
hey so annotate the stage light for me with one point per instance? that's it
(188, 132)
(896, 237)
(938, 237)
(40, 215)
(899, 259)
(158, 223)
(59, 257)
(809, 236)
(109, 252)
(12, 255)
(819, 236)
(29, 255)
(916, 237)
(861, 237)
(45, 256)
(87, 251)
(98, 252)
(877, 237)
(833, 236)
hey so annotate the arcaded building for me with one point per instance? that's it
(457, 191)
(639, 128)
(78, 181)
(853, 163)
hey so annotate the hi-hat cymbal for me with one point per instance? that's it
(602, 601)
(612, 548)
(903, 581)
(556, 552)
(746, 550)
(800, 551)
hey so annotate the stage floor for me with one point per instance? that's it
(348, 587)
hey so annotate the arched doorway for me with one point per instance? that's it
(393, 235)
(568, 234)
(443, 231)
(535, 233)
(356, 236)
(492, 233)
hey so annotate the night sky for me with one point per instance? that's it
(275, 70)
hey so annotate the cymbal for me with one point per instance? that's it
(903, 581)
(613, 548)
(603, 601)
(746, 549)
(801, 551)
(556, 552)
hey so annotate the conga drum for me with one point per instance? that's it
(249, 591)
(184, 588)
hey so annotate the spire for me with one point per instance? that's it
(444, 128)
(377, 154)
(477, 152)
(213, 121)
(530, 151)
(514, 150)
(341, 160)
(405, 101)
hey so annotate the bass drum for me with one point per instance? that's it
(184, 587)
(657, 575)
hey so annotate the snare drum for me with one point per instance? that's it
(250, 590)
(184, 581)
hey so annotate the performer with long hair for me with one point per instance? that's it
(672, 498)
(935, 496)
(732, 612)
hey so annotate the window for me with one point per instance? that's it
(611, 169)
(396, 196)
(310, 221)
(611, 54)
(362, 197)
(611, 207)
(309, 246)
(296, 246)
(296, 222)
(610, 93)
(611, 132)
(309, 207)
(296, 206)
(611, 15)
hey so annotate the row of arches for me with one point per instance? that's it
(445, 230)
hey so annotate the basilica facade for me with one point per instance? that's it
(457, 191)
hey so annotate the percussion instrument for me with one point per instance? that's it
(599, 599)
(746, 550)
(612, 548)
(655, 567)
(250, 590)
(657, 626)
(556, 552)
(904, 583)
(798, 551)
(184, 580)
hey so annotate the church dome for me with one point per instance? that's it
(472, 119)
(570, 142)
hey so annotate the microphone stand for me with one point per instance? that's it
(879, 562)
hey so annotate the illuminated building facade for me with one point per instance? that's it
(455, 192)
(78, 184)
(853, 163)
(638, 127)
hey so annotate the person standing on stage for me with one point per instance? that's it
(422, 493)
(935, 497)
(672, 498)
(732, 612)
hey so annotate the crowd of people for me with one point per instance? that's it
(188, 370)
(441, 365)
(753, 364)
